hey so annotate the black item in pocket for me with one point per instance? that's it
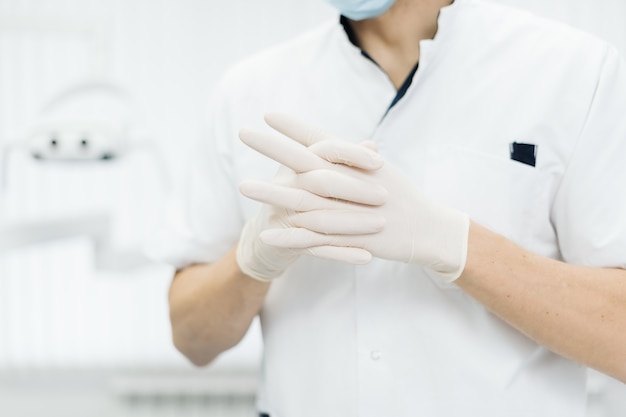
(526, 153)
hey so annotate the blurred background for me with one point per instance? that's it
(100, 101)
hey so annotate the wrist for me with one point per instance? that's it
(485, 250)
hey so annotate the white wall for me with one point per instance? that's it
(604, 18)
(168, 53)
(55, 309)
(65, 328)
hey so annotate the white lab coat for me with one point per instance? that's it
(388, 339)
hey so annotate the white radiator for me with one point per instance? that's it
(226, 395)
(123, 394)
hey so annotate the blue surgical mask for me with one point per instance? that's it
(361, 9)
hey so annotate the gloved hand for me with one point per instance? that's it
(416, 230)
(313, 198)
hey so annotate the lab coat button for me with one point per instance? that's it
(376, 355)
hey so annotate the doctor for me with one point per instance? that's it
(493, 211)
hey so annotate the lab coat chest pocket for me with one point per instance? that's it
(503, 195)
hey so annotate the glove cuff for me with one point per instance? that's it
(453, 254)
(255, 259)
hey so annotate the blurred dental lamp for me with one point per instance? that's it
(88, 122)
(91, 122)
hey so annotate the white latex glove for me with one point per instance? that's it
(323, 209)
(416, 229)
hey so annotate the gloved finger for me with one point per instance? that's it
(340, 222)
(333, 184)
(294, 195)
(296, 129)
(290, 198)
(355, 256)
(291, 154)
(346, 153)
(325, 144)
(301, 238)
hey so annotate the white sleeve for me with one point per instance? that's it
(205, 221)
(589, 211)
